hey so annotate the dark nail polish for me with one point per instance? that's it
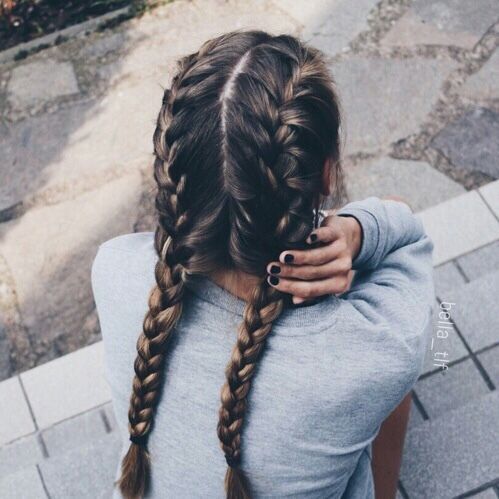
(275, 269)
(313, 237)
(274, 280)
(289, 258)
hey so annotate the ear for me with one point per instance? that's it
(326, 177)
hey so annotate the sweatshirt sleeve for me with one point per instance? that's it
(391, 297)
(393, 266)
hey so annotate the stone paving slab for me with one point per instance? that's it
(444, 22)
(90, 148)
(446, 277)
(459, 225)
(446, 390)
(452, 455)
(483, 83)
(390, 116)
(74, 432)
(15, 422)
(416, 182)
(342, 22)
(470, 142)
(309, 16)
(86, 472)
(475, 310)
(19, 454)
(55, 397)
(52, 272)
(25, 484)
(480, 262)
(57, 79)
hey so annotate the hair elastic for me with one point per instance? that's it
(231, 461)
(138, 439)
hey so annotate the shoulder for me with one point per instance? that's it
(129, 243)
(124, 264)
(122, 277)
(129, 249)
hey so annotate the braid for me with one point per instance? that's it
(272, 197)
(165, 301)
(264, 307)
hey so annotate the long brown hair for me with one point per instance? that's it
(240, 146)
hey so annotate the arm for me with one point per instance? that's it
(387, 450)
(393, 292)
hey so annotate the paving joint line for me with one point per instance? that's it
(105, 420)
(493, 484)
(402, 490)
(39, 431)
(487, 348)
(419, 406)
(478, 364)
(28, 403)
(42, 479)
(487, 204)
(466, 253)
(43, 445)
(461, 271)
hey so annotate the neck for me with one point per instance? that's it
(236, 282)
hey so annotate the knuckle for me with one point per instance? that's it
(345, 264)
(340, 285)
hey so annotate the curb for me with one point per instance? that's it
(52, 38)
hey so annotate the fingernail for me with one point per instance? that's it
(274, 280)
(288, 258)
(275, 269)
(313, 237)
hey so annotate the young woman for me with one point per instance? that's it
(252, 342)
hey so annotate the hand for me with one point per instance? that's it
(327, 269)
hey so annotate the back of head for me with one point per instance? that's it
(241, 144)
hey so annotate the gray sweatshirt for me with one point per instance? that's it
(330, 373)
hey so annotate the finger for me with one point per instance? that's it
(325, 234)
(309, 289)
(314, 256)
(297, 300)
(311, 272)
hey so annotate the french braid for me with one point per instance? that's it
(240, 145)
(264, 307)
(165, 307)
(276, 208)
